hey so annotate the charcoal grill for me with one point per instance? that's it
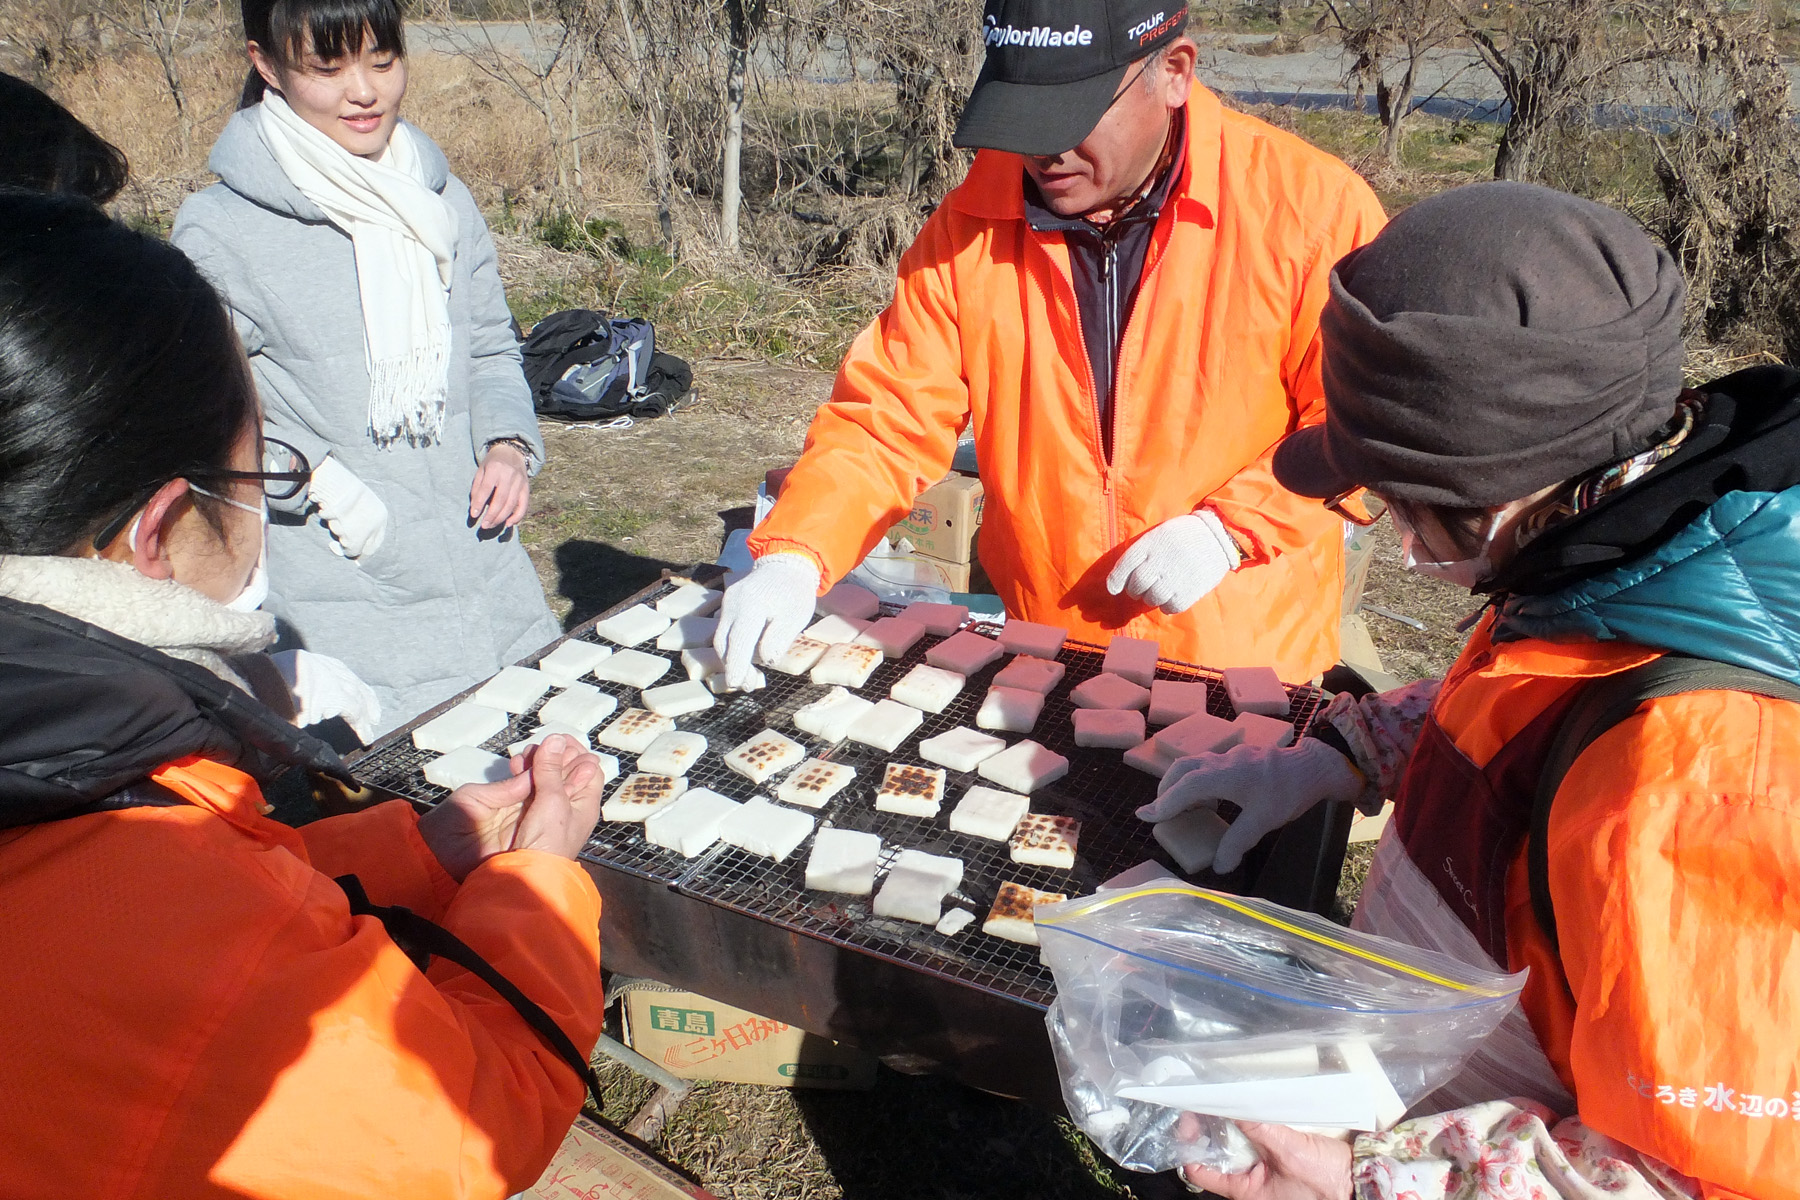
(743, 929)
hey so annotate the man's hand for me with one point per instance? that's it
(769, 608)
(1294, 1166)
(551, 803)
(1171, 566)
(501, 493)
(1273, 788)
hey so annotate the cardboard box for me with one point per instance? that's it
(944, 519)
(593, 1161)
(697, 1038)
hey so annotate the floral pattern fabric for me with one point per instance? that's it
(1381, 729)
(1507, 1150)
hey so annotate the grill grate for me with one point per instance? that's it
(1100, 791)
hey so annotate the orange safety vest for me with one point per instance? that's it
(192, 1011)
(1672, 1013)
(1219, 361)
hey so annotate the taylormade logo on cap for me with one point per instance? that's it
(1037, 35)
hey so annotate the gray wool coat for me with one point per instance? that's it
(436, 608)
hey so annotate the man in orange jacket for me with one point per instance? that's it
(1122, 298)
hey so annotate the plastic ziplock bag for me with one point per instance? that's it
(1173, 999)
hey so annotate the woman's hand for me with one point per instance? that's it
(501, 493)
(551, 803)
(1294, 1166)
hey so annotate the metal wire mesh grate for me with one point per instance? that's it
(1099, 790)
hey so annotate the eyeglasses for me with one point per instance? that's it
(276, 485)
(1358, 505)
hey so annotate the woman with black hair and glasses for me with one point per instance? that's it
(363, 283)
(193, 1004)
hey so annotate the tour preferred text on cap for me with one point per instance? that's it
(1053, 67)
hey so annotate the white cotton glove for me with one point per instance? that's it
(1171, 566)
(324, 688)
(1272, 786)
(353, 515)
(768, 607)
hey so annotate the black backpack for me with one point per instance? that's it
(584, 366)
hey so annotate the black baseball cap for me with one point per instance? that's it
(1053, 67)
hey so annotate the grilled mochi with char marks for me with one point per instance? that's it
(641, 795)
(798, 658)
(814, 783)
(1011, 916)
(765, 755)
(846, 665)
(1042, 840)
(633, 730)
(910, 790)
(672, 753)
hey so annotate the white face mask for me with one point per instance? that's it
(1464, 573)
(256, 588)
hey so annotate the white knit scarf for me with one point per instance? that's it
(404, 235)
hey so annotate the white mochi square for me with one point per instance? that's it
(718, 685)
(846, 665)
(960, 749)
(640, 796)
(955, 921)
(814, 783)
(633, 668)
(1256, 690)
(765, 755)
(465, 765)
(1264, 731)
(1191, 838)
(678, 699)
(672, 753)
(633, 626)
(468, 724)
(1024, 767)
(893, 636)
(691, 823)
(939, 620)
(835, 630)
(916, 885)
(571, 660)
(990, 813)
(689, 600)
(849, 600)
(580, 705)
(1172, 700)
(886, 725)
(1133, 659)
(1108, 728)
(1152, 758)
(514, 689)
(930, 689)
(831, 715)
(965, 652)
(543, 731)
(1109, 691)
(1030, 674)
(764, 827)
(1038, 641)
(798, 658)
(1201, 733)
(687, 633)
(1011, 710)
(910, 791)
(633, 730)
(702, 663)
(843, 860)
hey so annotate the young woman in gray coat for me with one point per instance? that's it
(363, 282)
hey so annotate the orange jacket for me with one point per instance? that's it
(1219, 361)
(1673, 1013)
(191, 1010)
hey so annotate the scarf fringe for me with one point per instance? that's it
(407, 397)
